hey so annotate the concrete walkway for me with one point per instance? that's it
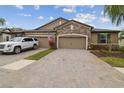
(18, 64)
(64, 68)
(120, 69)
(10, 58)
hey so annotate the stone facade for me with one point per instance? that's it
(74, 27)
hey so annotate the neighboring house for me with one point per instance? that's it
(74, 34)
(121, 41)
(7, 33)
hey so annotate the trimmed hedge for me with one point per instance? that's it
(104, 47)
(121, 48)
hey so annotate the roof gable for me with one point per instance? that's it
(70, 22)
(51, 25)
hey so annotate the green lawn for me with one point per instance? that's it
(39, 55)
(115, 62)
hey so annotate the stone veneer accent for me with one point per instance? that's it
(77, 29)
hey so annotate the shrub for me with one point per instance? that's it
(51, 41)
(104, 47)
(99, 47)
(121, 48)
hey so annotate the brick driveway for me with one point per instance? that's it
(64, 68)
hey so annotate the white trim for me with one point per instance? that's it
(71, 35)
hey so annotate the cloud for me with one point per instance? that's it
(82, 17)
(102, 12)
(70, 9)
(91, 6)
(51, 18)
(19, 7)
(104, 19)
(26, 15)
(40, 17)
(36, 7)
(7, 23)
(67, 8)
(87, 6)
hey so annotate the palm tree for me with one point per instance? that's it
(115, 12)
(2, 21)
(121, 34)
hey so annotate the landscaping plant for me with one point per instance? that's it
(51, 41)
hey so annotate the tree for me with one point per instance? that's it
(2, 21)
(115, 12)
(121, 34)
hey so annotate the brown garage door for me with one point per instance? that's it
(43, 42)
(72, 42)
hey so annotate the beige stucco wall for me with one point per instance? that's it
(121, 42)
(94, 38)
(1, 38)
(113, 36)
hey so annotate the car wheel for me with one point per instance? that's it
(17, 50)
(35, 47)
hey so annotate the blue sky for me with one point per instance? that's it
(31, 17)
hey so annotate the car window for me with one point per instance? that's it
(27, 39)
(35, 39)
(30, 39)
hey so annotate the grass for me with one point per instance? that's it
(39, 55)
(115, 62)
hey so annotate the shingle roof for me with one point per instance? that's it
(105, 30)
(43, 31)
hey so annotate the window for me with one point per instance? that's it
(30, 39)
(103, 38)
(72, 27)
(7, 38)
(35, 39)
(27, 39)
(60, 22)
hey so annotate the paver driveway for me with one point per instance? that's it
(64, 68)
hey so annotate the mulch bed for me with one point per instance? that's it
(100, 53)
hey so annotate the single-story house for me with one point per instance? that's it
(74, 34)
(7, 33)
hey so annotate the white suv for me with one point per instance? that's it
(18, 44)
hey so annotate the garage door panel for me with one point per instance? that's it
(43, 42)
(72, 42)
